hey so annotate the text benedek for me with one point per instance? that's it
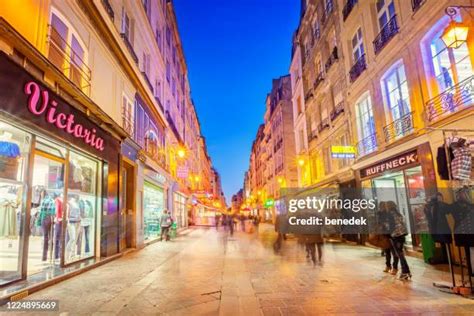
(313, 220)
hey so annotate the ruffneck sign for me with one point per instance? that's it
(403, 160)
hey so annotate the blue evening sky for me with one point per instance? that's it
(233, 49)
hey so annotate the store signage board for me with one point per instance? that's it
(406, 159)
(155, 176)
(343, 151)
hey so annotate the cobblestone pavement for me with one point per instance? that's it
(209, 273)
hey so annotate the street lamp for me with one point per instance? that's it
(456, 33)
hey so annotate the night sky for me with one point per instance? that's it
(233, 49)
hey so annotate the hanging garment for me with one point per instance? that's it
(442, 162)
(461, 164)
(8, 218)
(435, 212)
(463, 214)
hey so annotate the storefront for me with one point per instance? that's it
(180, 212)
(154, 202)
(406, 179)
(58, 180)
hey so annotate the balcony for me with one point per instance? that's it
(386, 34)
(312, 135)
(350, 4)
(451, 100)
(323, 125)
(331, 60)
(127, 122)
(129, 47)
(416, 4)
(367, 145)
(319, 80)
(399, 128)
(108, 9)
(357, 68)
(338, 110)
(63, 56)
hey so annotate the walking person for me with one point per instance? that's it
(398, 231)
(387, 251)
(230, 223)
(165, 223)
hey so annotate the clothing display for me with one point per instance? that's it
(442, 162)
(8, 217)
(9, 162)
(461, 164)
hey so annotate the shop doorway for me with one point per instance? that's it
(127, 200)
(406, 189)
(45, 242)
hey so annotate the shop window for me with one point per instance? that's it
(14, 152)
(67, 52)
(365, 125)
(153, 206)
(81, 207)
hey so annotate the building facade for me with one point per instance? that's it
(98, 118)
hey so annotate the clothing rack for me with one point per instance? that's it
(447, 133)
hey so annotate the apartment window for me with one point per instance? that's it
(173, 87)
(68, 53)
(395, 87)
(146, 64)
(158, 89)
(299, 105)
(128, 116)
(168, 71)
(450, 66)
(126, 24)
(365, 118)
(168, 36)
(357, 45)
(385, 11)
(158, 36)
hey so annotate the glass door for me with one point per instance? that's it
(416, 199)
(45, 243)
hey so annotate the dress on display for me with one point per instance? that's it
(8, 218)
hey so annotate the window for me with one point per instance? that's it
(158, 89)
(146, 64)
(357, 46)
(450, 66)
(68, 53)
(385, 11)
(395, 88)
(128, 116)
(168, 36)
(126, 25)
(299, 105)
(158, 36)
(365, 118)
(168, 71)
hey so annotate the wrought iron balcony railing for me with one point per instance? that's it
(388, 31)
(319, 79)
(339, 109)
(416, 4)
(451, 100)
(108, 9)
(399, 128)
(129, 47)
(323, 125)
(68, 61)
(332, 59)
(312, 135)
(348, 8)
(358, 67)
(367, 145)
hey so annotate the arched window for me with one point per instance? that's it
(151, 143)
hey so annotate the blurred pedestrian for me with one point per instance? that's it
(165, 223)
(384, 228)
(398, 231)
(281, 227)
(230, 222)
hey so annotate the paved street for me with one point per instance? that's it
(208, 273)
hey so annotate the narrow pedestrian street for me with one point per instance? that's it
(207, 272)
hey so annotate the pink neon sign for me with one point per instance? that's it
(40, 104)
